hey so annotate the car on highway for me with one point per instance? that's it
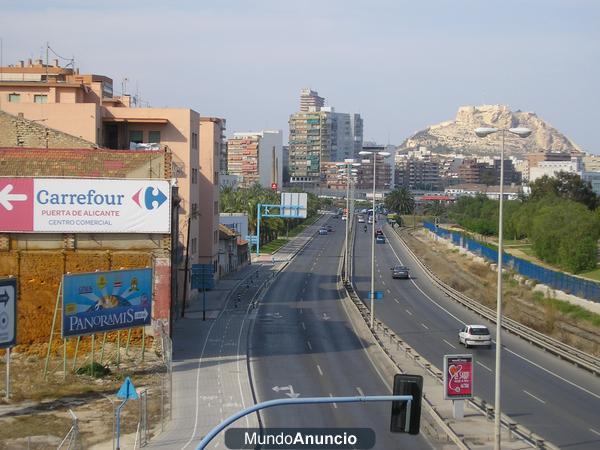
(329, 228)
(400, 272)
(380, 239)
(475, 335)
(361, 219)
(378, 232)
(323, 231)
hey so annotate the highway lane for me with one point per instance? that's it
(302, 341)
(551, 397)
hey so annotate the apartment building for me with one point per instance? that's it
(320, 135)
(310, 100)
(83, 105)
(418, 173)
(256, 157)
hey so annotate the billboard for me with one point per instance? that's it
(105, 301)
(8, 312)
(458, 377)
(77, 205)
(289, 199)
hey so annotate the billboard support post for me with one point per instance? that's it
(58, 295)
(458, 409)
(64, 359)
(118, 348)
(143, 342)
(7, 373)
(93, 344)
(76, 349)
(102, 349)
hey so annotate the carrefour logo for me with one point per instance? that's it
(149, 198)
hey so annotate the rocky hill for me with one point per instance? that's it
(457, 136)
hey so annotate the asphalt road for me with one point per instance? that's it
(301, 343)
(551, 397)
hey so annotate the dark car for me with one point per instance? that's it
(323, 231)
(380, 239)
(378, 232)
(400, 272)
(329, 228)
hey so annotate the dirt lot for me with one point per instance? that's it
(476, 279)
(37, 415)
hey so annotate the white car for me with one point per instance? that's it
(361, 219)
(475, 335)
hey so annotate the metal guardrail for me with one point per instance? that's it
(547, 343)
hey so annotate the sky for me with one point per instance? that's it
(403, 65)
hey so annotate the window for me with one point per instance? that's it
(194, 176)
(216, 208)
(14, 98)
(40, 98)
(194, 141)
(216, 237)
(136, 136)
(154, 137)
(216, 178)
(194, 209)
(194, 245)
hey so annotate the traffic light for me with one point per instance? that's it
(403, 420)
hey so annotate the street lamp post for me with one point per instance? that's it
(374, 155)
(523, 133)
(347, 165)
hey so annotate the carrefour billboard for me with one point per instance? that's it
(104, 301)
(67, 205)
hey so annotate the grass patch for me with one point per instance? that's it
(273, 246)
(568, 309)
(592, 274)
(99, 370)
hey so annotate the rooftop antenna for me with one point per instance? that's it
(124, 86)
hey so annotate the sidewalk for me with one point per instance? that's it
(210, 381)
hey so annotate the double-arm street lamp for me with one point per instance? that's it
(523, 133)
(374, 155)
(347, 168)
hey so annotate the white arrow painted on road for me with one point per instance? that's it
(326, 317)
(141, 314)
(290, 388)
(6, 197)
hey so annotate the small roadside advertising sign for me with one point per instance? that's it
(202, 276)
(458, 377)
(8, 312)
(105, 301)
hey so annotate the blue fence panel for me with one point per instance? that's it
(556, 280)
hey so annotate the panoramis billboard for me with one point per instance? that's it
(67, 205)
(104, 301)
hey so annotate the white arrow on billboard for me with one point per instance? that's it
(141, 314)
(290, 388)
(6, 197)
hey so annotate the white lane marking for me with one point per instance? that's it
(595, 432)
(319, 369)
(537, 398)
(407, 311)
(484, 366)
(505, 348)
(362, 394)
(383, 281)
(425, 326)
(389, 292)
(334, 404)
(450, 344)
(309, 345)
(396, 300)
(303, 326)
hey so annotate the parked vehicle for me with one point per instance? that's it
(400, 272)
(476, 335)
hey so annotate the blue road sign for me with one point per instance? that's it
(202, 276)
(8, 312)
(127, 390)
(378, 295)
(104, 301)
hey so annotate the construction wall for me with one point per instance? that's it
(39, 273)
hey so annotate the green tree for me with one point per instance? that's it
(400, 200)
(565, 185)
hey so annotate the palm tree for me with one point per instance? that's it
(400, 200)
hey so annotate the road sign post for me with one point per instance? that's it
(458, 381)
(203, 278)
(8, 321)
(126, 391)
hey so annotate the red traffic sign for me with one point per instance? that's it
(274, 186)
